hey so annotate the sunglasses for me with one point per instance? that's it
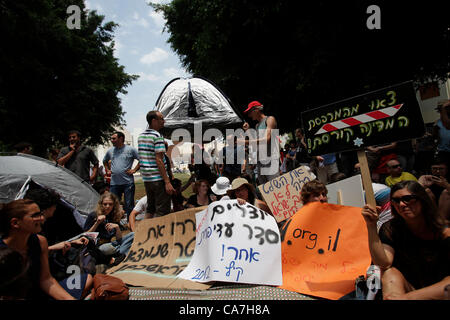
(395, 166)
(405, 199)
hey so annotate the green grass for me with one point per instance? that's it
(140, 189)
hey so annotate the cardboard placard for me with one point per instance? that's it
(347, 192)
(382, 116)
(161, 249)
(324, 249)
(235, 243)
(282, 194)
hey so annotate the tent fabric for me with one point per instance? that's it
(16, 169)
(185, 102)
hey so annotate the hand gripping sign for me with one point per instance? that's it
(235, 243)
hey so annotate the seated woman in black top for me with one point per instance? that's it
(20, 221)
(201, 195)
(412, 249)
(105, 220)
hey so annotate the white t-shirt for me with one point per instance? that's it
(141, 206)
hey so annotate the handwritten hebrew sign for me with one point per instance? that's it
(382, 116)
(282, 194)
(324, 249)
(235, 244)
(161, 249)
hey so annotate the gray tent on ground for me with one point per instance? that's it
(19, 172)
(185, 102)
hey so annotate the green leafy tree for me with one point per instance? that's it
(298, 55)
(53, 78)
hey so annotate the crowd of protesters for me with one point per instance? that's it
(408, 231)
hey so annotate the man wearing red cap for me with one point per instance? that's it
(268, 165)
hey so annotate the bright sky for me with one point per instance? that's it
(142, 49)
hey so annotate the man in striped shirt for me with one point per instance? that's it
(153, 168)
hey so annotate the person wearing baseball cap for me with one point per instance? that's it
(268, 163)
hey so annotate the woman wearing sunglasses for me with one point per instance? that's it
(413, 248)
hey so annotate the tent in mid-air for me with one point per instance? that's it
(185, 102)
(20, 172)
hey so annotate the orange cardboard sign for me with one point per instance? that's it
(324, 249)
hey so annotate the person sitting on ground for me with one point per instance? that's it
(105, 220)
(201, 195)
(438, 187)
(20, 222)
(220, 189)
(412, 249)
(244, 192)
(313, 191)
(47, 200)
(396, 173)
(139, 212)
(62, 253)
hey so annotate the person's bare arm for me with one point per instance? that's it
(434, 292)
(98, 221)
(135, 169)
(111, 226)
(163, 173)
(94, 173)
(106, 166)
(382, 254)
(63, 160)
(49, 284)
(132, 220)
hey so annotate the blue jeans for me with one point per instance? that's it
(128, 195)
(123, 245)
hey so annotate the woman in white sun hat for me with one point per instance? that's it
(220, 188)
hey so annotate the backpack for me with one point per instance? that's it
(107, 287)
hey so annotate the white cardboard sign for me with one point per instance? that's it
(235, 243)
(347, 192)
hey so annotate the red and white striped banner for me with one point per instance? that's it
(360, 119)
